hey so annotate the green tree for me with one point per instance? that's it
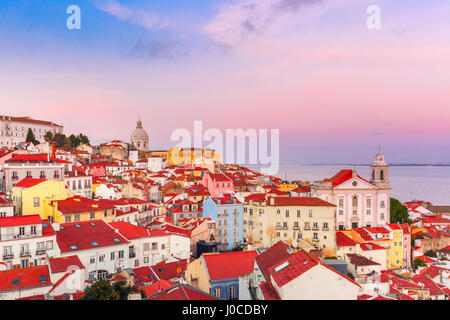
(100, 290)
(74, 140)
(350, 275)
(60, 139)
(48, 136)
(123, 289)
(31, 138)
(419, 263)
(399, 213)
(430, 253)
(83, 139)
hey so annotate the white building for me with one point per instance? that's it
(26, 241)
(100, 248)
(156, 163)
(6, 208)
(79, 183)
(13, 130)
(360, 203)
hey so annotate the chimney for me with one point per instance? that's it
(53, 149)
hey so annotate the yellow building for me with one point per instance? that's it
(196, 156)
(307, 220)
(77, 209)
(389, 237)
(286, 187)
(33, 196)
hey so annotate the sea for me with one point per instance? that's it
(415, 182)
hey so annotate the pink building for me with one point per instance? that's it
(407, 244)
(217, 184)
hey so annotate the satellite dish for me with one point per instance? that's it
(294, 243)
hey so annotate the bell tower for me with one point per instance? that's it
(380, 171)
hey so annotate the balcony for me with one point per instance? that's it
(307, 228)
(40, 252)
(14, 178)
(285, 227)
(315, 228)
(315, 240)
(325, 229)
(42, 177)
(57, 176)
(296, 228)
(7, 256)
(25, 254)
(278, 227)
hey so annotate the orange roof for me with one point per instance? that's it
(229, 265)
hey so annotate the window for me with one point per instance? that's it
(154, 246)
(298, 213)
(296, 225)
(112, 255)
(368, 212)
(146, 246)
(233, 292)
(217, 292)
(325, 225)
(355, 201)
(68, 219)
(24, 263)
(77, 217)
(310, 213)
(36, 202)
(21, 231)
(278, 234)
(92, 260)
(369, 203)
(146, 259)
(307, 225)
(49, 245)
(341, 212)
(341, 203)
(120, 254)
(382, 204)
(92, 215)
(287, 213)
(278, 211)
(101, 258)
(285, 225)
(315, 236)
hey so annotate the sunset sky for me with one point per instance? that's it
(310, 68)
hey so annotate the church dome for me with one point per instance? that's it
(139, 137)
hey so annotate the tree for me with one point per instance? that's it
(59, 139)
(48, 136)
(74, 141)
(31, 138)
(430, 253)
(83, 139)
(399, 213)
(100, 290)
(123, 289)
(350, 275)
(419, 263)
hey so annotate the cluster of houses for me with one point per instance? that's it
(178, 224)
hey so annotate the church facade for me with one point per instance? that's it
(359, 202)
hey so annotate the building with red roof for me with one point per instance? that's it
(26, 241)
(359, 202)
(98, 246)
(222, 274)
(24, 282)
(217, 184)
(182, 292)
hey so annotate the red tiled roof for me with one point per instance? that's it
(130, 231)
(182, 292)
(259, 197)
(28, 183)
(358, 260)
(88, 231)
(302, 190)
(156, 287)
(30, 120)
(273, 255)
(28, 277)
(219, 177)
(299, 201)
(34, 158)
(229, 265)
(371, 246)
(167, 271)
(144, 275)
(342, 240)
(289, 269)
(268, 291)
(63, 263)
(342, 176)
(20, 220)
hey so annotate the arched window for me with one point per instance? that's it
(373, 174)
(381, 175)
(355, 201)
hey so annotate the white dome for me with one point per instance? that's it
(139, 137)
